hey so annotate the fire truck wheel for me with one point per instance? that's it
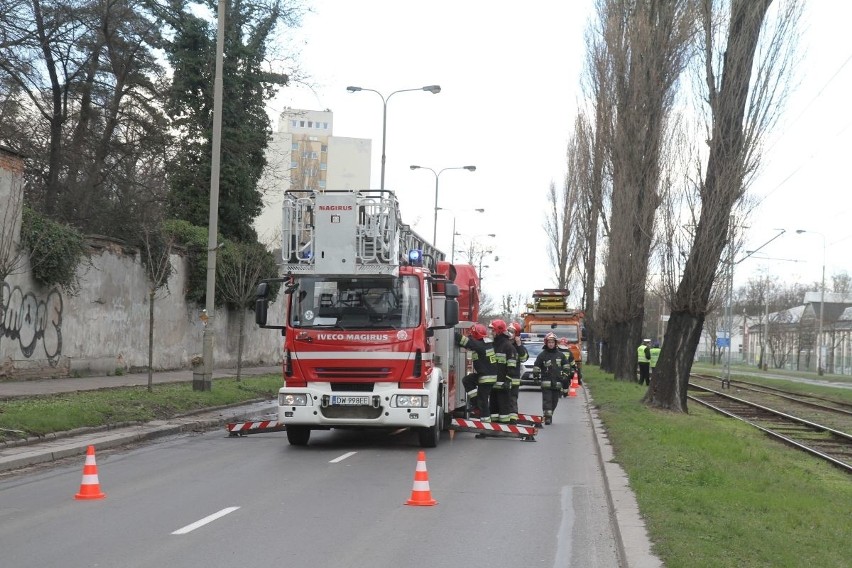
(429, 436)
(298, 435)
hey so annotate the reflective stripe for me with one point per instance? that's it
(360, 355)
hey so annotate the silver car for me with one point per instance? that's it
(533, 349)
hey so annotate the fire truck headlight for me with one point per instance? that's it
(289, 399)
(412, 401)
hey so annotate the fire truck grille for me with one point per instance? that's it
(356, 387)
(359, 412)
(359, 374)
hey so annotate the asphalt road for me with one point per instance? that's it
(338, 502)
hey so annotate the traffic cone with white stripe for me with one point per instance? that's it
(90, 487)
(420, 493)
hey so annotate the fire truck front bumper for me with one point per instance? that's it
(325, 409)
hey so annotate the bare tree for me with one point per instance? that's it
(647, 45)
(743, 87)
(13, 257)
(564, 240)
(241, 266)
(156, 250)
(593, 145)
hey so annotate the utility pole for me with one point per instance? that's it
(208, 317)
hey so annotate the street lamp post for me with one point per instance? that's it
(473, 253)
(453, 251)
(208, 316)
(434, 89)
(438, 175)
(818, 342)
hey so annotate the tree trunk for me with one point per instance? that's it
(240, 344)
(620, 351)
(151, 294)
(671, 375)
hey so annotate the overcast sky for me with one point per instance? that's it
(510, 85)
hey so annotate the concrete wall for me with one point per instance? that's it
(104, 326)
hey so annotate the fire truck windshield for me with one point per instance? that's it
(356, 303)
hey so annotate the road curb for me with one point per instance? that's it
(634, 545)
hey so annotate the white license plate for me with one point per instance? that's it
(350, 400)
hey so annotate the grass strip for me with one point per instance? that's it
(41, 415)
(717, 492)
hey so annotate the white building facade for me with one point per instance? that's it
(305, 155)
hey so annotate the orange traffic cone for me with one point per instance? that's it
(572, 391)
(574, 382)
(420, 493)
(90, 488)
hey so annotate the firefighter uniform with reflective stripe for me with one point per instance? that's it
(523, 355)
(554, 368)
(507, 362)
(479, 384)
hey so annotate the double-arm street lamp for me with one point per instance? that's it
(434, 89)
(818, 342)
(472, 252)
(453, 252)
(438, 175)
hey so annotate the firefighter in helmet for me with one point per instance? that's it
(480, 382)
(523, 355)
(507, 361)
(565, 347)
(554, 368)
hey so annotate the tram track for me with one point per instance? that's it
(823, 441)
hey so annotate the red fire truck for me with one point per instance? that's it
(369, 314)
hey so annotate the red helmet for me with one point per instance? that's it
(516, 326)
(563, 342)
(499, 326)
(549, 336)
(478, 331)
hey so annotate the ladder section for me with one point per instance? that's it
(346, 233)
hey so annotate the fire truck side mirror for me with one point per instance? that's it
(261, 303)
(451, 306)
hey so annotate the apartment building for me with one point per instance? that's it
(305, 155)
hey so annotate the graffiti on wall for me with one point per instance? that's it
(32, 322)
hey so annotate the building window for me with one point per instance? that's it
(322, 184)
(314, 155)
(323, 166)
(302, 123)
(294, 146)
(325, 125)
(294, 165)
(324, 148)
(293, 123)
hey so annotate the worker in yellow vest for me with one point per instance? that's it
(643, 355)
(655, 356)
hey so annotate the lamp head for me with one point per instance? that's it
(800, 231)
(414, 167)
(434, 89)
(470, 168)
(353, 89)
(480, 210)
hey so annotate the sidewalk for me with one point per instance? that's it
(54, 386)
(634, 545)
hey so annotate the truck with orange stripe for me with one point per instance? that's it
(549, 312)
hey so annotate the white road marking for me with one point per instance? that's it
(205, 520)
(343, 457)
